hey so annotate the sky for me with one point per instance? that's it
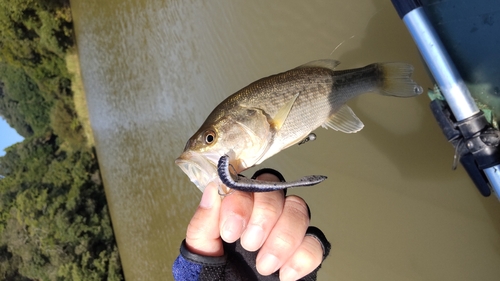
(8, 136)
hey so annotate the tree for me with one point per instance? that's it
(34, 38)
(22, 104)
(66, 125)
(10, 113)
(54, 221)
(54, 218)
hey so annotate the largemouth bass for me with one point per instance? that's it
(281, 110)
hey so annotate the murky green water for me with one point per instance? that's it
(392, 207)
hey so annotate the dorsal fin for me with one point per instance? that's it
(344, 120)
(326, 63)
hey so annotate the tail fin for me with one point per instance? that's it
(397, 81)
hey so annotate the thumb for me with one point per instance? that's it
(203, 232)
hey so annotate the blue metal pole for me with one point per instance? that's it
(493, 175)
(450, 83)
(443, 70)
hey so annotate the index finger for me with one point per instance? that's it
(202, 235)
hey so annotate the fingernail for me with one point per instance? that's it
(208, 198)
(232, 228)
(288, 274)
(267, 264)
(252, 238)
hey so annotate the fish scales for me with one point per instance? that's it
(321, 92)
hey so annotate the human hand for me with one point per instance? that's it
(268, 221)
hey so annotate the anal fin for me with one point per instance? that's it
(344, 120)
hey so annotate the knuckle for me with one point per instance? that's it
(297, 206)
(312, 249)
(286, 240)
(304, 263)
(268, 207)
(306, 259)
(195, 231)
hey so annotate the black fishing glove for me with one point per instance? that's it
(236, 264)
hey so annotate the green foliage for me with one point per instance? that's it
(10, 112)
(66, 126)
(54, 218)
(35, 95)
(54, 221)
(34, 29)
(35, 39)
(21, 102)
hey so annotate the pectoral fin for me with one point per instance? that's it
(344, 120)
(280, 117)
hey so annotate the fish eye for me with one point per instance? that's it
(209, 136)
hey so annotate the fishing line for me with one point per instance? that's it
(341, 44)
(371, 17)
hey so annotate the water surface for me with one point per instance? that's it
(392, 207)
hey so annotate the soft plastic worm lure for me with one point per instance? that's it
(249, 185)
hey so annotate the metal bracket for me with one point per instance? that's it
(476, 142)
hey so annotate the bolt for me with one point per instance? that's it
(470, 145)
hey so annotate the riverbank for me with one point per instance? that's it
(73, 65)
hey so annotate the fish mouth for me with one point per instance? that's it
(199, 169)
